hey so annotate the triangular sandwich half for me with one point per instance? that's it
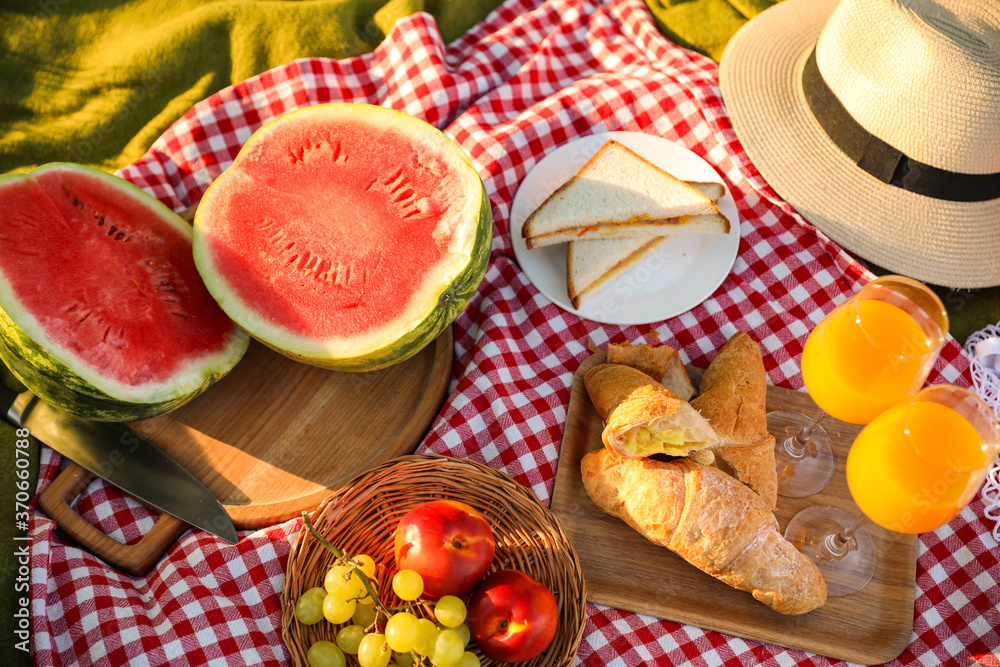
(591, 263)
(619, 193)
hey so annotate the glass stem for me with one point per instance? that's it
(797, 446)
(838, 545)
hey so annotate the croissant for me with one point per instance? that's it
(710, 520)
(642, 417)
(660, 362)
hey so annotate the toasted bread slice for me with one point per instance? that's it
(715, 223)
(619, 189)
(592, 262)
(591, 265)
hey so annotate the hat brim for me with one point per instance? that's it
(954, 244)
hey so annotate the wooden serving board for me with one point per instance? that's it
(276, 436)
(626, 571)
(272, 439)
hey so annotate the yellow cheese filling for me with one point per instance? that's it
(642, 441)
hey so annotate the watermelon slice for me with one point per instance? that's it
(345, 235)
(102, 310)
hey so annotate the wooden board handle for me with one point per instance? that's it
(135, 559)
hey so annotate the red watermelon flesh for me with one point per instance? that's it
(138, 310)
(354, 219)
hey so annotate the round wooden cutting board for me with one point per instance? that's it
(275, 436)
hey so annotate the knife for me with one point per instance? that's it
(124, 458)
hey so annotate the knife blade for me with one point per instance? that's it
(124, 458)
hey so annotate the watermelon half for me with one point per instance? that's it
(345, 235)
(102, 310)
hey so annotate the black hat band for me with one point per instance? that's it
(881, 160)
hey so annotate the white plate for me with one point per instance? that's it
(678, 275)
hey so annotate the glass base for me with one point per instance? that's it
(811, 532)
(803, 476)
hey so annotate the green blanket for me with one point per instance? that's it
(704, 25)
(97, 81)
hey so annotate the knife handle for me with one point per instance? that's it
(135, 559)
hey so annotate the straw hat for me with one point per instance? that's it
(910, 89)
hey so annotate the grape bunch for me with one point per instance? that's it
(374, 635)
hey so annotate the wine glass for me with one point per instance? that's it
(910, 470)
(870, 352)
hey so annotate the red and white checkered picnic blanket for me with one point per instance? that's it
(528, 79)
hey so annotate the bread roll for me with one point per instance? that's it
(732, 398)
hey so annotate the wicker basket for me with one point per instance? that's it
(362, 516)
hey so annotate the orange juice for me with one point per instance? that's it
(863, 357)
(913, 470)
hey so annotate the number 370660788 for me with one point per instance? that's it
(22, 465)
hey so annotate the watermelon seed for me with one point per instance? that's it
(112, 230)
(100, 222)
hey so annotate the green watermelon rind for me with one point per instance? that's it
(451, 300)
(56, 383)
(51, 372)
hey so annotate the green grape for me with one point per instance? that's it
(365, 596)
(407, 585)
(349, 638)
(427, 634)
(367, 564)
(374, 651)
(364, 614)
(401, 632)
(448, 649)
(325, 654)
(469, 659)
(337, 610)
(403, 659)
(450, 611)
(341, 581)
(309, 606)
(464, 632)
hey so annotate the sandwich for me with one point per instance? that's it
(593, 262)
(618, 194)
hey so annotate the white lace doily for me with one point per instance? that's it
(983, 348)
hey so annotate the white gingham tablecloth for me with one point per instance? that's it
(529, 78)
